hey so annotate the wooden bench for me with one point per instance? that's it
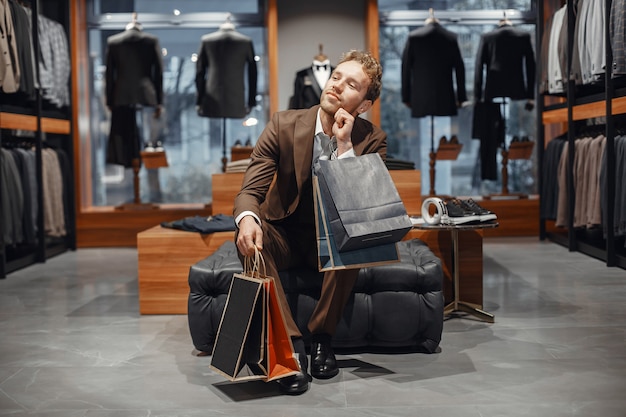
(165, 255)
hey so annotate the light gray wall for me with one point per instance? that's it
(303, 24)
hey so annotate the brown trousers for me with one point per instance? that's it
(286, 247)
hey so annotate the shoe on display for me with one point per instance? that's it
(457, 214)
(484, 214)
(443, 141)
(454, 140)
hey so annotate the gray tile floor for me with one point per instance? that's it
(73, 344)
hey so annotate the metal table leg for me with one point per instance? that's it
(457, 305)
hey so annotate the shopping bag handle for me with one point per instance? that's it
(254, 266)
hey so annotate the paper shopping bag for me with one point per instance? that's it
(330, 258)
(363, 205)
(238, 349)
(280, 358)
(252, 340)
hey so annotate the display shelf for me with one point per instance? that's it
(584, 111)
(28, 122)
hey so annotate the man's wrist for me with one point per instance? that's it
(247, 213)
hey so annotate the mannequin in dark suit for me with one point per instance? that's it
(280, 221)
(134, 69)
(430, 56)
(134, 79)
(220, 86)
(506, 56)
(309, 82)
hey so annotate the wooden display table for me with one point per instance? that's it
(165, 255)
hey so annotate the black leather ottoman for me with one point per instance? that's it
(398, 305)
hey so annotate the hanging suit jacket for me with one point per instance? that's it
(220, 81)
(23, 36)
(507, 54)
(430, 56)
(617, 28)
(9, 65)
(306, 89)
(134, 70)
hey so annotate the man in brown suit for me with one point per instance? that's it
(279, 220)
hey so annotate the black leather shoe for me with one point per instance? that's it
(323, 362)
(299, 383)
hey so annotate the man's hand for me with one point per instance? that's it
(342, 130)
(250, 235)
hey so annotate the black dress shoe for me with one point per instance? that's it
(323, 362)
(299, 383)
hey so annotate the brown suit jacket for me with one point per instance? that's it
(285, 151)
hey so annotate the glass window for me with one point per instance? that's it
(167, 6)
(387, 5)
(196, 147)
(413, 139)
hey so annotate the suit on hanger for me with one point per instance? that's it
(134, 70)
(617, 28)
(430, 56)
(285, 148)
(220, 80)
(508, 56)
(23, 38)
(9, 64)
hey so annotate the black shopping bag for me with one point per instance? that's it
(252, 340)
(363, 205)
(329, 257)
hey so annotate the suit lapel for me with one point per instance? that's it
(315, 85)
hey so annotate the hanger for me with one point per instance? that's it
(134, 23)
(431, 17)
(504, 21)
(228, 24)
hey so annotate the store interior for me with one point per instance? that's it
(94, 267)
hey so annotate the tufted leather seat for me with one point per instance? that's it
(399, 305)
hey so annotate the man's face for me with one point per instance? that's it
(346, 88)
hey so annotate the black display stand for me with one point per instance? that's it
(444, 152)
(513, 152)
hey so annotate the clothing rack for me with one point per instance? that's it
(30, 118)
(602, 106)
